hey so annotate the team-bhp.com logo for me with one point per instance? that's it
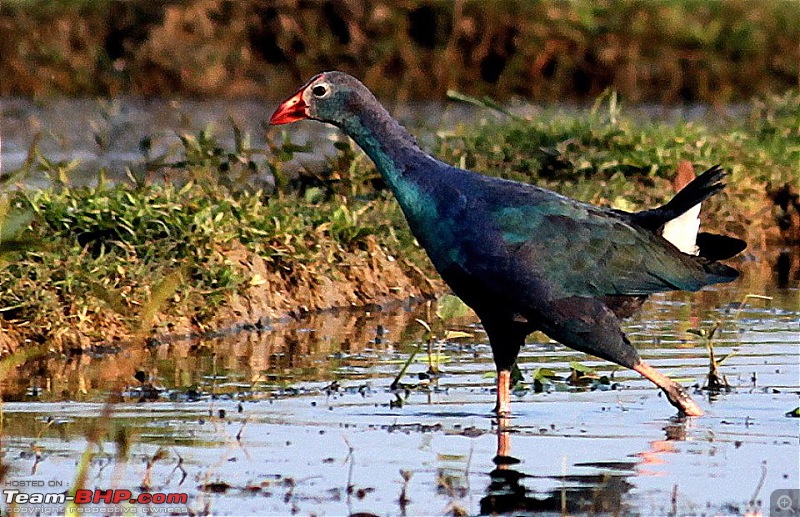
(15, 497)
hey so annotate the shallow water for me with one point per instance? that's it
(299, 418)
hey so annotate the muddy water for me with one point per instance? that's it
(299, 418)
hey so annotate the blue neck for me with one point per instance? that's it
(412, 175)
(394, 151)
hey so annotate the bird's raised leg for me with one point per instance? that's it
(676, 394)
(588, 325)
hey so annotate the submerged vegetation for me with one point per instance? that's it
(207, 249)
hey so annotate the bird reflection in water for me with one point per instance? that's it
(652, 458)
(579, 493)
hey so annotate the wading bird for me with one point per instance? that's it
(525, 258)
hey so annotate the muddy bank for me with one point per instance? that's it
(369, 278)
(373, 277)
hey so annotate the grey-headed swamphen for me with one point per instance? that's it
(525, 258)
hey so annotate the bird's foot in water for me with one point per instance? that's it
(679, 397)
(676, 394)
(502, 411)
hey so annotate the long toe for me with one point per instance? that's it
(679, 397)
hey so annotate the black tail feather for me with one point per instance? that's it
(700, 189)
(719, 247)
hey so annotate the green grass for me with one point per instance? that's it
(110, 247)
(83, 264)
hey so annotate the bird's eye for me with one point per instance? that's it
(319, 90)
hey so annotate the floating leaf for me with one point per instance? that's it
(542, 373)
(581, 374)
(541, 377)
(581, 368)
(451, 457)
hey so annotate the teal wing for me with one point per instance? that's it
(581, 250)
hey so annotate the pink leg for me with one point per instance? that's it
(676, 394)
(503, 407)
